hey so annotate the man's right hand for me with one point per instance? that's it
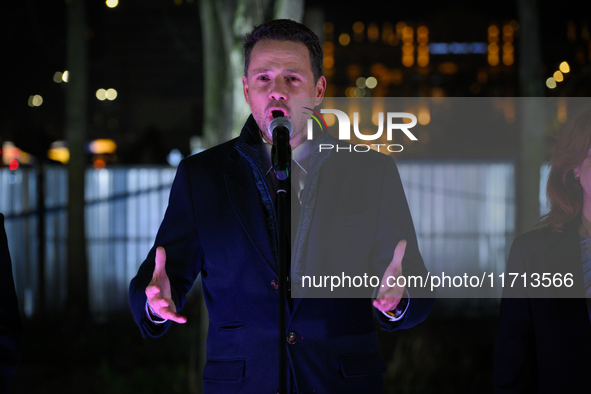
(158, 291)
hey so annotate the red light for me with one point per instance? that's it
(13, 164)
(99, 164)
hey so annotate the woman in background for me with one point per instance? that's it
(543, 345)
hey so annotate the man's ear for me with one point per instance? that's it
(245, 88)
(320, 90)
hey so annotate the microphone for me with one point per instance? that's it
(280, 128)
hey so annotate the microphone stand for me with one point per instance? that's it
(283, 207)
(281, 159)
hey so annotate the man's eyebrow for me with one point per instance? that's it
(260, 70)
(296, 72)
(288, 71)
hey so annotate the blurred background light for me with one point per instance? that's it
(424, 117)
(111, 94)
(493, 59)
(493, 48)
(24, 157)
(493, 31)
(564, 67)
(112, 3)
(106, 94)
(59, 152)
(13, 164)
(9, 152)
(14, 155)
(508, 59)
(457, 48)
(99, 164)
(373, 32)
(35, 100)
(174, 157)
(448, 68)
(358, 27)
(408, 60)
(344, 39)
(101, 94)
(371, 82)
(102, 146)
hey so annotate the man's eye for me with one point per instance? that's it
(263, 78)
(293, 79)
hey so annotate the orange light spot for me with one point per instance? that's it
(99, 164)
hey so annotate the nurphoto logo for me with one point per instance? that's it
(394, 122)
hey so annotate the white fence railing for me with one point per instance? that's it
(464, 215)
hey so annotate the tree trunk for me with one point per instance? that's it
(216, 19)
(289, 9)
(76, 115)
(533, 119)
(224, 27)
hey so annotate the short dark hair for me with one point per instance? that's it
(285, 30)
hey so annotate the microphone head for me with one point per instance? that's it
(280, 122)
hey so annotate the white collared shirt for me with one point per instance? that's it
(300, 156)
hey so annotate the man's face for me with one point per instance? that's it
(279, 71)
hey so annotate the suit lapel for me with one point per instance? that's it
(309, 202)
(246, 201)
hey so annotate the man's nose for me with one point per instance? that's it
(278, 90)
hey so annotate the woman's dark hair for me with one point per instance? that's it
(565, 193)
(285, 30)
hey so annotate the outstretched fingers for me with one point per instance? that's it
(390, 293)
(158, 292)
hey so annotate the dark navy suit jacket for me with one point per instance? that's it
(221, 223)
(11, 329)
(543, 345)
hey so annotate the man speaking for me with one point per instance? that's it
(221, 223)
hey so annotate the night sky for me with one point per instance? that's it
(151, 52)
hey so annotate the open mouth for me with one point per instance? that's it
(277, 113)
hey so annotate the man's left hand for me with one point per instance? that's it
(390, 294)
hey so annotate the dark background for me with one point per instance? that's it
(151, 52)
